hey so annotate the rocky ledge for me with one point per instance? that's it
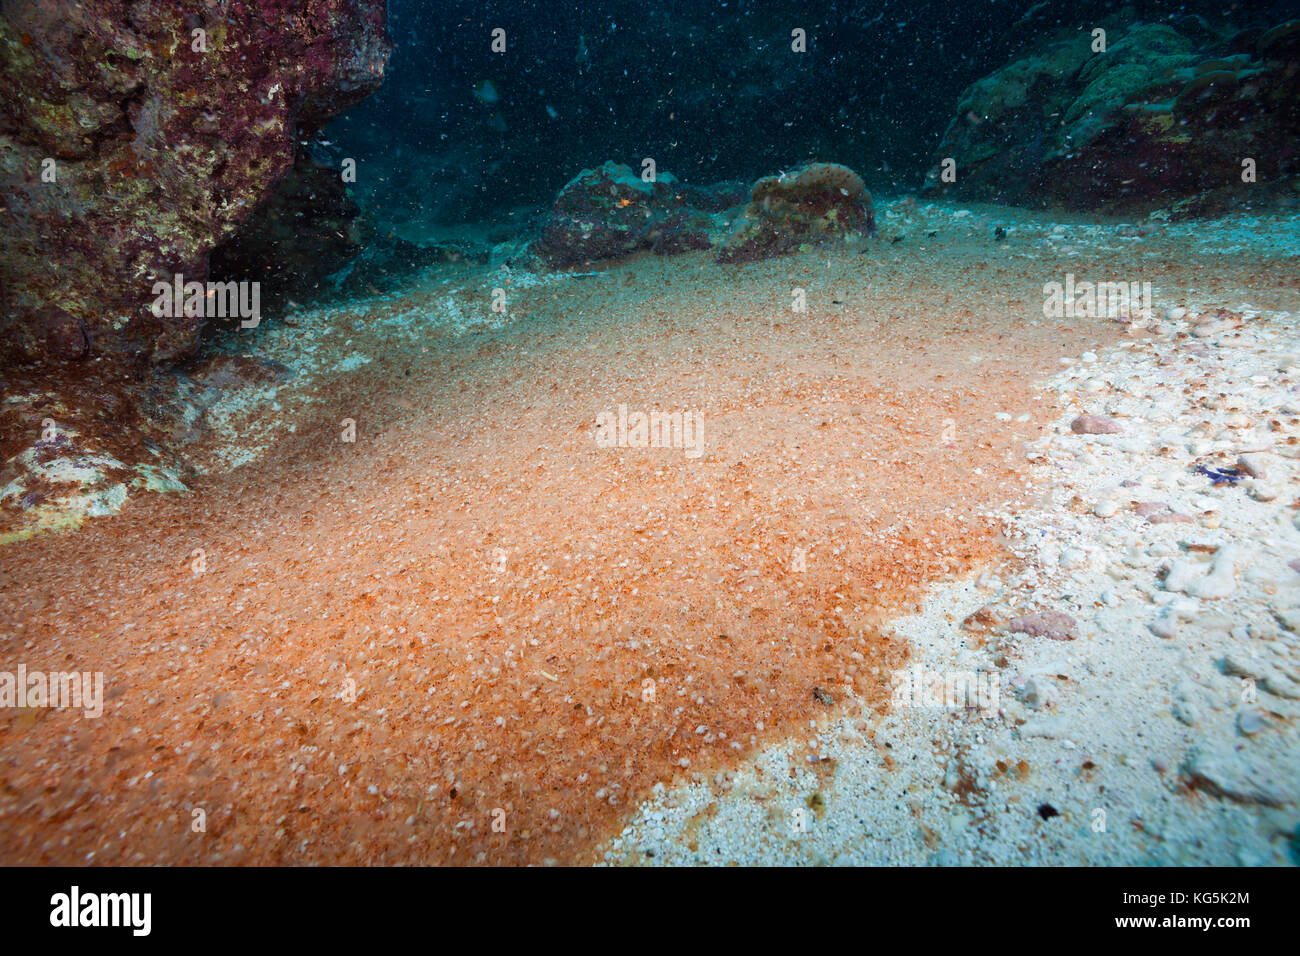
(135, 137)
(1143, 116)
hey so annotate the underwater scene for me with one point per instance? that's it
(697, 433)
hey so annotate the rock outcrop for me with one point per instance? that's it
(1158, 115)
(610, 212)
(135, 137)
(816, 204)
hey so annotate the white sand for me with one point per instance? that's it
(1181, 749)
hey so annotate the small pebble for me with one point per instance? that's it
(1250, 722)
(1051, 624)
(1095, 425)
(1253, 465)
(1073, 558)
(1263, 492)
(1166, 626)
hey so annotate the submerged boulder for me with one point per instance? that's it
(816, 204)
(1158, 115)
(136, 136)
(610, 212)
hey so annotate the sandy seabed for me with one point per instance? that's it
(474, 635)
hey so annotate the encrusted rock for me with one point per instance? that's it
(610, 212)
(813, 205)
(162, 146)
(1154, 117)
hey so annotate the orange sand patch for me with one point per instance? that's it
(863, 432)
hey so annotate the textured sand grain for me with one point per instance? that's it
(863, 431)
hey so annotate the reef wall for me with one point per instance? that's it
(135, 137)
(1148, 115)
